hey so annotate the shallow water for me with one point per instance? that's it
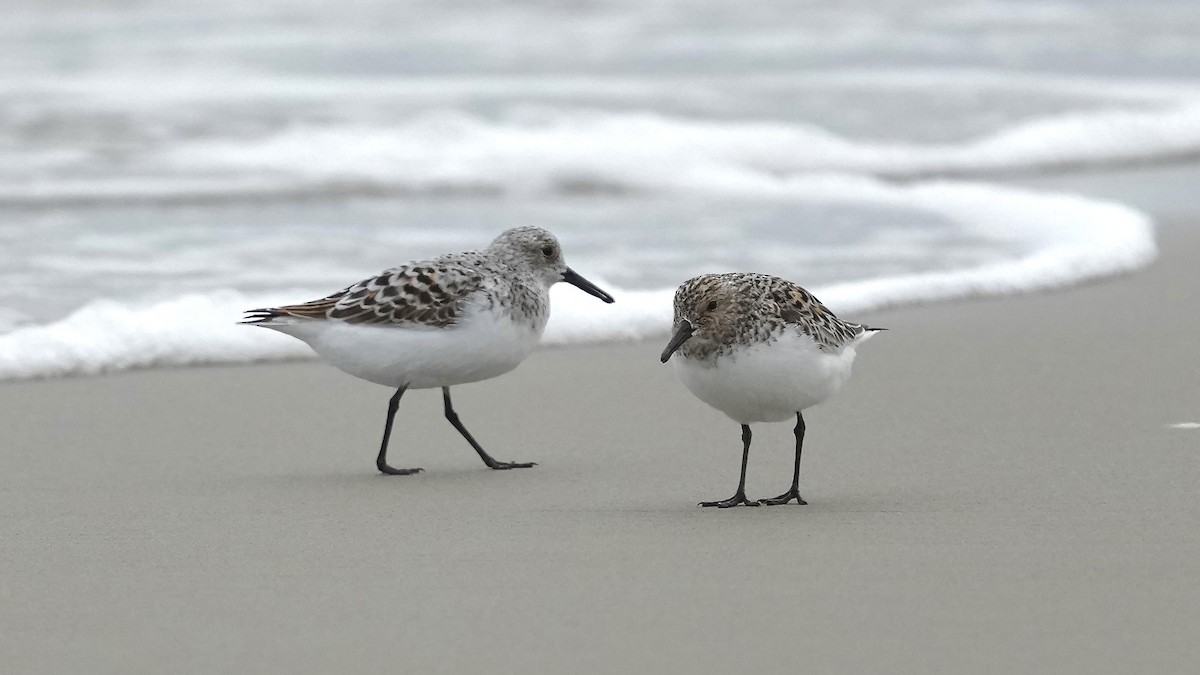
(234, 152)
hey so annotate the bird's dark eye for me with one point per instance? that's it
(712, 304)
(547, 251)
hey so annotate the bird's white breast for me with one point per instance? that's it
(768, 381)
(482, 344)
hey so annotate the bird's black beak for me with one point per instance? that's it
(681, 336)
(573, 278)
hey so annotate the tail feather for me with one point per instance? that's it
(867, 333)
(258, 317)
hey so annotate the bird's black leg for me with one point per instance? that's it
(794, 493)
(487, 459)
(738, 499)
(381, 460)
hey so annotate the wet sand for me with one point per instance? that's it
(997, 490)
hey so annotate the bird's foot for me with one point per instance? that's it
(784, 498)
(501, 466)
(385, 469)
(737, 500)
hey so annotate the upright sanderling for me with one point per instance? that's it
(458, 318)
(759, 349)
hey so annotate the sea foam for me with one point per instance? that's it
(1057, 240)
(549, 150)
(556, 150)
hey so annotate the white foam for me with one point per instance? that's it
(1059, 240)
(108, 336)
(550, 150)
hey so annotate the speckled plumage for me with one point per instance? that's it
(454, 319)
(754, 308)
(759, 349)
(433, 293)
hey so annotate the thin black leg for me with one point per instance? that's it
(794, 493)
(487, 459)
(381, 460)
(738, 499)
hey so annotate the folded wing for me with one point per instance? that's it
(430, 295)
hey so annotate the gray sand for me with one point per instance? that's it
(996, 491)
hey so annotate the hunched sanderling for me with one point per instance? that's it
(759, 349)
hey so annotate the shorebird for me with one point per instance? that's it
(454, 319)
(759, 349)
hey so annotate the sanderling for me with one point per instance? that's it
(759, 349)
(458, 318)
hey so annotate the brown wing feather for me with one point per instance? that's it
(798, 306)
(428, 294)
(315, 309)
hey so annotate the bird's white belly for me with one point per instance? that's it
(768, 382)
(480, 346)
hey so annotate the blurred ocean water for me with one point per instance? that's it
(216, 154)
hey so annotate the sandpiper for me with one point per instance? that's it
(454, 319)
(759, 349)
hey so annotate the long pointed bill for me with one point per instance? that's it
(681, 336)
(571, 277)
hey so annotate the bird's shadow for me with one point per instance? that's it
(442, 477)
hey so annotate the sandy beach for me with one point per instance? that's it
(998, 490)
